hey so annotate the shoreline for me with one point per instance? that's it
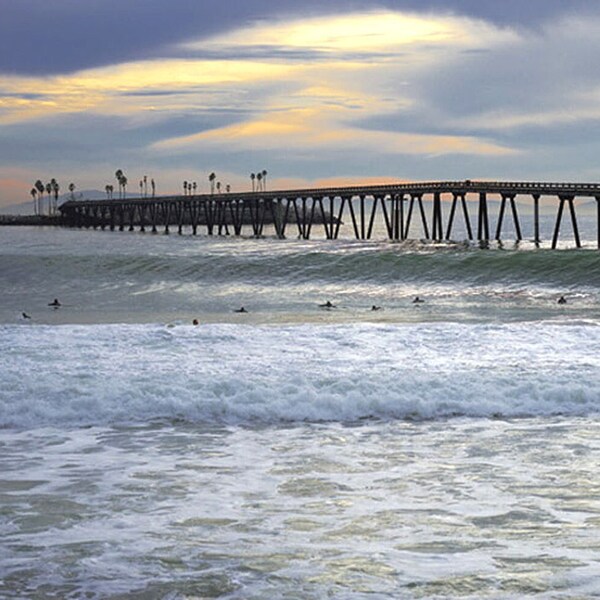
(30, 220)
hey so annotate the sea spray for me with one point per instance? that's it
(103, 374)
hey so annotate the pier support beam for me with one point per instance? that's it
(574, 222)
(483, 222)
(353, 217)
(511, 198)
(419, 199)
(598, 220)
(570, 201)
(536, 219)
(466, 217)
(437, 233)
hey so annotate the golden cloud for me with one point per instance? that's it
(370, 31)
(309, 104)
(325, 129)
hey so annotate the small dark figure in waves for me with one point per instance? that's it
(195, 322)
(25, 315)
(241, 310)
(418, 300)
(375, 307)
(562, 300)
(327, 305)
(55, 303)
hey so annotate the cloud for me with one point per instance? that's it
(372, 34)
(409, 94)
(322, 131)
(44, 37)
(104, 90)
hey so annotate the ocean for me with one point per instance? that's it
(441, 449)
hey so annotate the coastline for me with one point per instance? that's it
(30, 220)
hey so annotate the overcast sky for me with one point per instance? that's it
(312, 91)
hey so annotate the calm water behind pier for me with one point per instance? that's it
(438, 450)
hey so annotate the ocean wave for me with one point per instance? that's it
(106, 374)
(376, 263)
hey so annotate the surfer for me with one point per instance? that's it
(418, 300)
(327, 305)
(375, 307)
(241, 310)
(195, 322)
(25, 315)
(562, 300)
(55, 303)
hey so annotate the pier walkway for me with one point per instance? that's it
(430, 207)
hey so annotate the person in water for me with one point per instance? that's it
(327, 305)
(241, 310)
(55, 303)
(562, 300)
(418, 300)
(375, 307)
(26, 316)
(195, 322)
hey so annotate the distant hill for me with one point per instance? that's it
(26, 208)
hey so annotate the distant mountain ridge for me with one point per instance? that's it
(26, 208)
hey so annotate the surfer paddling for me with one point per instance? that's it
(55, 303)
(327, 305)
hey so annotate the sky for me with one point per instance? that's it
(313, 92)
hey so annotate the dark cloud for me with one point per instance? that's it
(58, 36)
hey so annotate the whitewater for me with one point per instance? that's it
(443, 449)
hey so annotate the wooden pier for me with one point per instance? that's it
(430, 207)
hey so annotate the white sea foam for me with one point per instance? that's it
(234, 374)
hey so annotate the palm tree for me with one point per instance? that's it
(194, 185)
(33, 193)
(185, 188)
(259, 181)
(153, 185)
(212, 178)
(119, 177)
(124, 185)
(228, 188)
(39, 186)
(146, 185)
(218, 187)
(141, 187)
(48, 192)
(264, 178)
(72, 190)
(55, 189)
(252, 177)
(108, 189)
